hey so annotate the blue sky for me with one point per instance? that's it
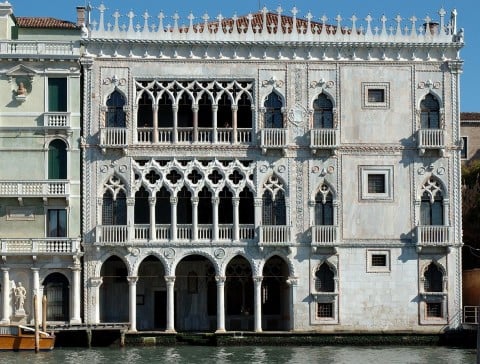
(468, 18)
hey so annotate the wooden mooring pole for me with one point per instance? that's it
(35, 319)
(44, 313)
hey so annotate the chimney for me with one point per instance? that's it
(81, 16)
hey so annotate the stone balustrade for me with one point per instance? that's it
(113, 137)
(39, 246)
(433, 235)
(51, 188)
(324, 235)
(323, 139)
(56, 119)
(50, 48)
(273, 138)
(275, 235)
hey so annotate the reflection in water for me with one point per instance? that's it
(247, 354)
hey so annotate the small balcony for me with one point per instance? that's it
(275, 235)
(40, 246)
(21, 189)
(433, 236)
(56, 120)
(324, 236)
(22, 49)
(432, 139)
(273, 138)
(113, 138)
(323, 139)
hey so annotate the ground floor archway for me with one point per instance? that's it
(56, 290)
(114, 291)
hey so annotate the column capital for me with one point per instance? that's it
(257, 279)
(215, 200)
(96, 281)
(234, 107)
(258, 202)
(152, 201)
(174, 200)
(292, 281)
(130, 201)
(195, 200)
(220, 280)
(35, 270)
(236, 201)
(76, 268)
(132, 280)
(5, 269)
(169, 279)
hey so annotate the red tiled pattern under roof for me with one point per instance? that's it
(470, 116)
(39, 22)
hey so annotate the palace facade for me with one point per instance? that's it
(265, 172)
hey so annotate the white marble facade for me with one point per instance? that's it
(271, 172)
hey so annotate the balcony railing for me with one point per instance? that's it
(56, 119)
(323, 139)
(324, 235)
(51, 188)
(110, 234)
(187, 135)
(40, 246)
(22, 48)
(273, 138)
(275, 235)
(470, 314)
(431, 139)
(433, 235)
(113, 137)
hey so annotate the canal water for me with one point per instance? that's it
(247, 354)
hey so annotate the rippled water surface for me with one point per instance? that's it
(248, 354)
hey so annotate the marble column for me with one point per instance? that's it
(214, 123)
(236, 218)
(155, 123)
(175, 124)
(170, 281)
(173, 209)
(36, 291)
(195, 201)
(220, 303)
(75, 296)
(258, 203)
(5, 296)
(130, 218)
(293, 283)
(94, 295)
(153, 235)
(234, 124)
(257, 297)
(195, 123)
(132, 302)
(215, 203)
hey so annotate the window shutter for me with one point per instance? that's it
(57, 94)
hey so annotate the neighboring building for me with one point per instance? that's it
(39, 167)
(470, 133)
(269, 172)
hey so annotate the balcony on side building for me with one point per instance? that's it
(42, 189)
(326, 139)
(18, 48)
(165, 233)
(274, 138)
(433, 236)
(56, 120)
(431, 139)
(324, 236)
(189, 135)
(39, 246)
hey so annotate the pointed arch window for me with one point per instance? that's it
(324, 206)
(185, 112)
(244, 113)
(324, 279)
(224, 113)
(114, 208)
(430, 112)
(145, 111)
(431, 205)
(274, 208)
(57, 160)
(115, 117)
(433, 279)
(273, 111)
(165, 111)
(322, 113)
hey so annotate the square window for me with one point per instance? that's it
(463, 152)
(324, 310)
(378, 261)
(375, 95)
(376, 183)
(434, 309)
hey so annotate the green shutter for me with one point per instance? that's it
(57, 94)
(57, 160)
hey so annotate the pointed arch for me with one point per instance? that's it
(324, 278)
(430, 112)
(115, 116)
(322, 112)
(432, 203)
(57, 159)
(273, 105)
(433, 276)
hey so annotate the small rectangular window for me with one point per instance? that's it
(325, 310)
(379, 260)
(56, 223)
(57, 94)
(376, 183)
(434, 309)
(376, 95)
(463, 153)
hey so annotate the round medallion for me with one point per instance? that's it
(169, 253)
(219, 253)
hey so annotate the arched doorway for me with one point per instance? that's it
(239, 303)
(196, 295)
(275, 295)
(114, 291)
(151, 295)
(56, 289)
